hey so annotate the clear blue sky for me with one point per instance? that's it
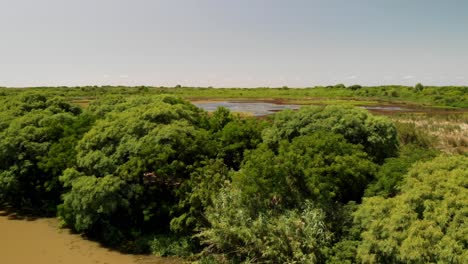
(235, 43)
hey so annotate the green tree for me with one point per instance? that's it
(355, 87)
(35, 147)
(148, 150)
(425, 223)
(377, 134)
(220, 118)
(283, 206)
(418, 87)
(197, 194)
(92, 203)
(295, 236)
(236, 137)
(391, 174)
(322, 167)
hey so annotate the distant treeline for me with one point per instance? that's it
(441, 96)
(153, 173)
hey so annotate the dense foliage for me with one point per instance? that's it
(143, 171)
(376, 134)
(425, 223)
(36, 144)
(138, 156)
(321, 166)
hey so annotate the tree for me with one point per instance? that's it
(322, 167)
(220, 118)
(236, 137)
(425, 223)
(355, 87)
(147, 151)
(197, 194)
(391, 174)
(418, 87)
(284, 204)
(91, 204)
(377, 134)
(35, 147)
(296, 236)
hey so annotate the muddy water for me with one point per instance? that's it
(258, 108)
(40, 241)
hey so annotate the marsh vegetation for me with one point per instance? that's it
(144, 171)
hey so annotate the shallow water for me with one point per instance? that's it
(385, 108)
(255, 108)
(263, 108)
(41, 241)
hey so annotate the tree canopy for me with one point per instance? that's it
(425, 223)
(144, 171)
(36, 144)
(140, 155)
(376, 134)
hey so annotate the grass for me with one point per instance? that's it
(445, 97)
(450, 130)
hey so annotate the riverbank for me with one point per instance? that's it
(28, 240)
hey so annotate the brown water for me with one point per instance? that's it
(41, 241)
(259, 108)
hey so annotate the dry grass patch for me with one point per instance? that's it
(450, 131)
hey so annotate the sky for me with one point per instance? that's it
(233, 43)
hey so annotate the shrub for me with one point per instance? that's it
(34, 149)
(321, 166)
(170, 245)
(377, 134)
(418, 87)
(148, 151)
(298, 236)
(355, 87)
(409, 133)
(391, 174)
(425, 223)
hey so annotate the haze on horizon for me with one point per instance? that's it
(242, 43)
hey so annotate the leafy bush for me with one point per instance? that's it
(170, 245)
(236, 137)
(281, 207)
(377, 134)
(91, 204)
(35, 146)
(425, 223)
(139, 162)
(321, 166)
(197, 193)
(355, 87)
(391, 174)
(220, 118)
(418, 87)
(296, 236)
(146, 151)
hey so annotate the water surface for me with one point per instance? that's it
(41, 241)
(264, 108)
(255, 108)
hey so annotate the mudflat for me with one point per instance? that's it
(41, 241)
